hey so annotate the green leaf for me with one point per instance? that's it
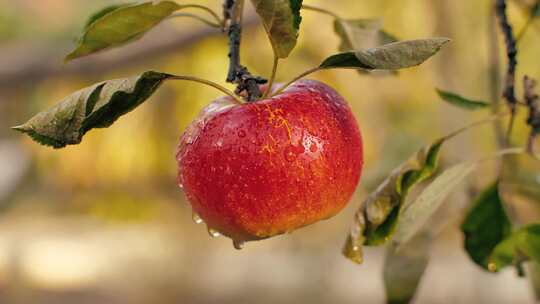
(97, 106)
(391, 56)
(121, 25)
(535, 9)
(521, 245)
(376, 219)
(485, 226)
(415, 215)
(462, 102)
(104, 11)
(281, 20)
(404, 268)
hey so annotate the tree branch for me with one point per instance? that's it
(238, 74)
(533, 120)
(511, 52)
(23, 65)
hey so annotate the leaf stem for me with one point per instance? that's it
(320, 10)
(209, 83)
(502, 153)
(308, 72)
(207, 9)
(492, 118)
(272, 77)
(524, 29)
(207, 22)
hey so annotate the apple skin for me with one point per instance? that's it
(260, 169)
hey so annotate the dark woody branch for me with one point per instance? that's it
(238, 74)
(511, 52)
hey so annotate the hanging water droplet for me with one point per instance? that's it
(196, 218)
(213, 233)
(238, 245)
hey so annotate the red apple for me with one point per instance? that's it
(260, 169)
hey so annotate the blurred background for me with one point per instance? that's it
(104, 222)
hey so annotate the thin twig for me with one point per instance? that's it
(495, 76)
(207, 9)
(207, 22)
(511, 52)
(238, 74)
(320, 10)
(533, 120)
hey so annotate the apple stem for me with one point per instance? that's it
(308, 72)
(209, 83)
(320, 10)
(272, 77)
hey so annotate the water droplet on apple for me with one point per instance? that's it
(292, 152)
(213, 233)
(313, 148)
(243, 149)
(196, 218)
(238, 245)
(241, 133)
(290, 155)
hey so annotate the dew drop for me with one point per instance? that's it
(213, 233)
(241, 133)
(313, 148)
(196, 218)
(492, 267)
(238, 245)
(290, 155)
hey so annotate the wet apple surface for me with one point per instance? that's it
(260, 169)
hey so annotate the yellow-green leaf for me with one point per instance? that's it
(404, 268)
(377, 217)
(97, 106)
(416, 214)
(521, 245)
(462, 102)
(121, 25)
(281, 20)
(393, 56)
